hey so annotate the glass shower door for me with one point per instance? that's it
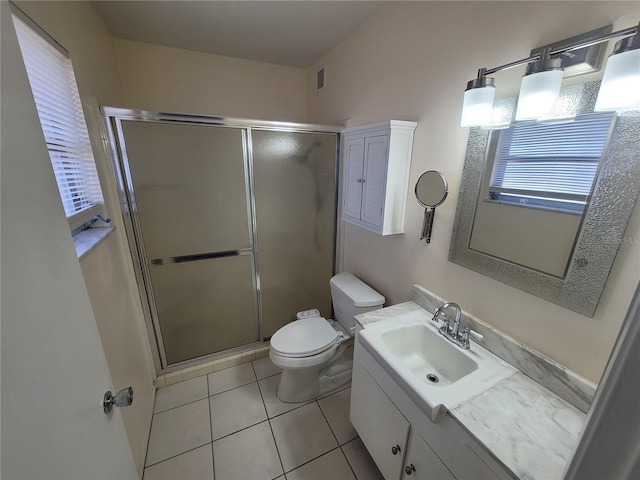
(190, 198)
(295, 195)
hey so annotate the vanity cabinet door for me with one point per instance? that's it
(381, 426)
(421, 463)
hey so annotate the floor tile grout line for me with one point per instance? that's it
(276, 445)
(213, 461)
(238, 431)
(325, 417)
(347, 459)
(179, 454)
(328, 423)
(234, 388)
(178, 406)
(217, 393)
(315, 458)
(146, 453)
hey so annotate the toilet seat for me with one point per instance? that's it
(304, 338)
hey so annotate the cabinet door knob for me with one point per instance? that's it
(396, 449)
(409, 469)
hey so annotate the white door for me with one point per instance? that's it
(54, 371)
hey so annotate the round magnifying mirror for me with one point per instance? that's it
(431, 191)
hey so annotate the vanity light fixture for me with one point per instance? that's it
(478, 100)
(620, 87)
(540, 87)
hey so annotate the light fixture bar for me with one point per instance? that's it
(541, 84)
(595, 41)
(557, 51)
(506, 66)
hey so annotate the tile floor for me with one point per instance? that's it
(230, 425)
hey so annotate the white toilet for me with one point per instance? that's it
(316, 354)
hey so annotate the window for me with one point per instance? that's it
(549, 165)
(62, 119)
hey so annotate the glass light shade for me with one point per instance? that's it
(477, 106)
(620, 88)
(538, 95)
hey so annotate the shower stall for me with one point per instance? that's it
(231, 224)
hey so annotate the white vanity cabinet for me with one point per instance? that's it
(385, 433)
(421, 463)
(388, 421)
(377, 160)
(381, 426)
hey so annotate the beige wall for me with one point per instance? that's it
(107, 270)
(167, 79)
(411, 61)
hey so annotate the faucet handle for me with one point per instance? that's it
(476, 336)
(464, 337)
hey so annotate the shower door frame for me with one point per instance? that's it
(113, 117)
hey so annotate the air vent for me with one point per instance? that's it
(321, 79)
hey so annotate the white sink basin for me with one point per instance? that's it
(421, 353)
(434, 372)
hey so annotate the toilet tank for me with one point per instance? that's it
(351, 296)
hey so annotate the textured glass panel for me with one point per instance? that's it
(204, 307)
(295, 210)
(189, 187)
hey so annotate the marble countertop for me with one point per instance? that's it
(529, 429)
(387, 312)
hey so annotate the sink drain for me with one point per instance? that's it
(432, 378)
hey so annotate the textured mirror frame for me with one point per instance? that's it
(614, 196)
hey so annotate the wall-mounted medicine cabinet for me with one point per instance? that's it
(377, 161)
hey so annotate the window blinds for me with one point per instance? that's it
(550, 161)
(62, 119)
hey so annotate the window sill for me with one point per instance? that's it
(89, 239)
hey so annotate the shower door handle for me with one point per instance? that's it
(200, 256)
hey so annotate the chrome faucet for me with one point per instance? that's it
(451, 329)
(448, 326)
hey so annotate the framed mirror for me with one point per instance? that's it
(559, 248)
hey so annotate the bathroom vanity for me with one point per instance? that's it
(484, 420)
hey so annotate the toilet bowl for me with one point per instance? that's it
(315, 354)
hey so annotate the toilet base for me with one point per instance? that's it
(306, 384)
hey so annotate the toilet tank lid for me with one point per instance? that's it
(359, 292)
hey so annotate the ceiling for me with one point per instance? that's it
(291, 33)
